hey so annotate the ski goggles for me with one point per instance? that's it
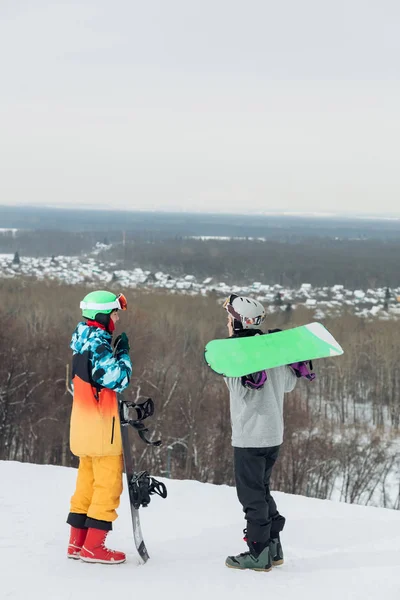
(120, 303)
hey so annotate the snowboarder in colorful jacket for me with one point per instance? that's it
(256, 406)
(99, 371)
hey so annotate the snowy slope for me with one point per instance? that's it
(333, 551)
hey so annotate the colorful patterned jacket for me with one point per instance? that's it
(97, 375)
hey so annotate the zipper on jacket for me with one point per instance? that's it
(96, 393)
(112, 430)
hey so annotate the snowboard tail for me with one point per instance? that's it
(235, 357)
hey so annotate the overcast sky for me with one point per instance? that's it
(210, 105)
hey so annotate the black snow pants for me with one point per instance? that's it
(253, 468)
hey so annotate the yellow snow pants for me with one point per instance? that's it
(98, 487)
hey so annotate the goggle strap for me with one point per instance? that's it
(105, 306)
(233, 312)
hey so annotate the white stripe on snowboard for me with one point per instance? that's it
(323, 334)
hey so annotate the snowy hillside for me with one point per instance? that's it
(333, 551)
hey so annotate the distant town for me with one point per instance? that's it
(382, 303)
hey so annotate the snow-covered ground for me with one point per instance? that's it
(12, 230)
(333, 551)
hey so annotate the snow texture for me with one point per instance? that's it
(333, 551)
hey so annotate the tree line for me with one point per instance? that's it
(170, 224)
(319, 261)
(364, 264)
(340, 429)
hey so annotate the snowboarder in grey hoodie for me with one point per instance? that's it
(256, 406)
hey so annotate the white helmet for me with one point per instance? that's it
(249, 312)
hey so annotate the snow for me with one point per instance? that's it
(9, 230)
(332, 550)
(90, 270)
(359, 294)
(311, 302)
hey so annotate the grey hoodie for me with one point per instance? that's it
(257, 415)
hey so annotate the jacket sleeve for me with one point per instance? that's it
(113, 372)
(234, 385)
(290, 379)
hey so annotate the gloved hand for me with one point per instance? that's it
(121, 343)
(301, 370)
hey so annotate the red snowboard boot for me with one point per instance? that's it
(76, 540)
(95, 551)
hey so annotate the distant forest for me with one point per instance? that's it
(357, 253)
(321, 262)
(341, 431)
(285, 228)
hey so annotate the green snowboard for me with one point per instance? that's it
(234, 357)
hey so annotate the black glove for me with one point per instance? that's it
(121, 343)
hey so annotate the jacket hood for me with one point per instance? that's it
(82, 334)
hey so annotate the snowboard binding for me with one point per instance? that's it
(142, 486)
(143, 411)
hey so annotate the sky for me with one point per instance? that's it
(218, 105)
